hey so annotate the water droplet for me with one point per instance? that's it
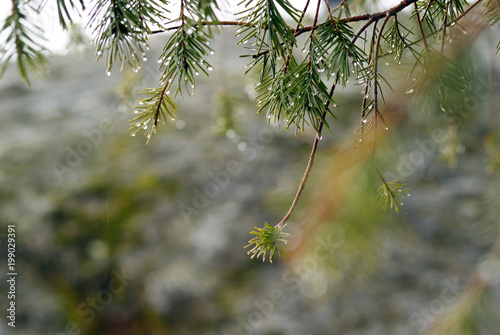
(99, 53)
(212, 52)
(167, 92)
(238, 30)
(196, 73)
(208, 43)
(292, 103)
(138, 125)
(176, 44)
(108, 73)
(258, 84)
(136, 69)
(136, 112)
(144, 58)
(160, 61)
(386, 63)
(189, 31)
(410, 91)
(319, 137)
(245, 41)
(296, 75)
(192, 85)
(364, 121)
(386, 128)
(210, 68)
(132, 135)
(145, 127)
(172, 119)
(408, 195)
(323, 70)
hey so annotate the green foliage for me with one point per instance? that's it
(299, 66)
(268, 31)
(122, 28)
(183, 56)
(23, 42)
(337, 53)
(151, 109)
(492, 11)
(64, 12)
(391, 193)
(299, 95)
(270, 239)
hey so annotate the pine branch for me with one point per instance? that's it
(391, 193)
(64, 14)
(151, 108)
(23, 42)
(270, 239)
(122, 28)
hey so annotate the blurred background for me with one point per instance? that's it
(118, 237)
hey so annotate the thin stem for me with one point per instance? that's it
(420, 27)
(375, 79)
(363, 17)
(362, 29)
(309, 163)
(444, 26)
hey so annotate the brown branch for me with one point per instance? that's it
(420, 27)
(316, 139)
(309, 163)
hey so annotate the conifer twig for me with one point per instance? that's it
(309, 163)
(419, 22)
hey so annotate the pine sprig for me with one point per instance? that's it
(341, 57)
(64, 8)
(122, 29)
(492, 11)
(298, 96)
(270, 32)
(23, 42)
(152, 108)
(269, 239)
(391, 193)
(183, 56)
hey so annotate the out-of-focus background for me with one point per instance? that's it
(118, 237)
